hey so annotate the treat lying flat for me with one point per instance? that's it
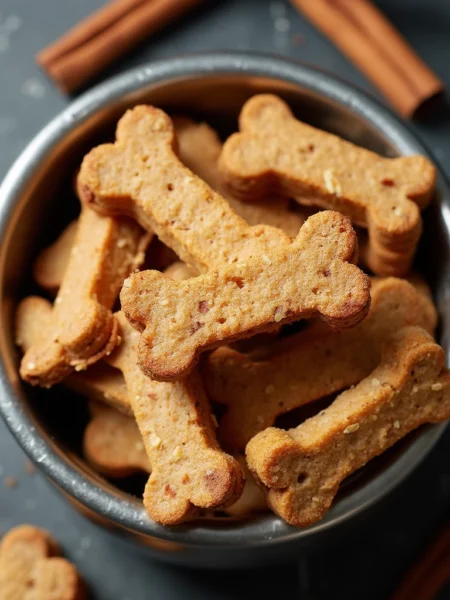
(314, 365)
(31, 569)
(141, 176)
(105, 251)
(199, 149)
(51, 264)
(189, 469)
(274, 152)
(303, 467)
(112, 443)
(310, 277)
(100, 382)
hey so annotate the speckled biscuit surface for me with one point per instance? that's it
(30, 568)
(100, 382)
(311, 277)
(51, 264)
(179, 271)
(199, 149)
(253, 499)
(303, 467)
(112, 443)
(274, 152)
(83, 329)
(315, 365)
(141, 176)
(189, 470)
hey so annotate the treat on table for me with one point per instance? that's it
(31, 568)
(276, 153)
(311, 277)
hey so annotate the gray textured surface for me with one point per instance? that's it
(365, 566)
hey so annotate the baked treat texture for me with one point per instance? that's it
(83, 329)
(276, 153)
(302, 468)
(31, 568)
(199, 148)
(315, 363)
(189, 470)
(140, 175)
(311, 277)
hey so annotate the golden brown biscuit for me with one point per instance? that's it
(303, 467)
(112, 443)
(179, 271)
(315, 363)
(199, 149)
(253, 499)
(141, 176)
(51, 264)
(31, 569)
(189, 470)
(274, 152)
(106, 250)
(114, 447)
(311, 277)
(100, 382)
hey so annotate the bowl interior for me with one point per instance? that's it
(38, 200)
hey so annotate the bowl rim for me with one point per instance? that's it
(267, 530)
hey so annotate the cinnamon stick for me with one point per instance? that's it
(429, 575)
(105, 36)
(372, 43)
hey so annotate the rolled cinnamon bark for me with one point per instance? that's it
(371, 42)
(104, 37)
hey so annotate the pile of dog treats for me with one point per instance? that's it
(175, 387)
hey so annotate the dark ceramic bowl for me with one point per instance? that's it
(33, 207)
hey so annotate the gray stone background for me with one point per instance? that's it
(364, 566)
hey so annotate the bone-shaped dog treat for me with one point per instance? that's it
(188, 468)
(114, 446)
(51, 264)
(199, 149)
(310, 277)
(105, 251)
(313, 366)
(141, 176)
(381, 259)
(253, 499)
(303, 467)
(31, 569)
(179, 271)
(100, 382)
(276, 152)
(112, 443)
